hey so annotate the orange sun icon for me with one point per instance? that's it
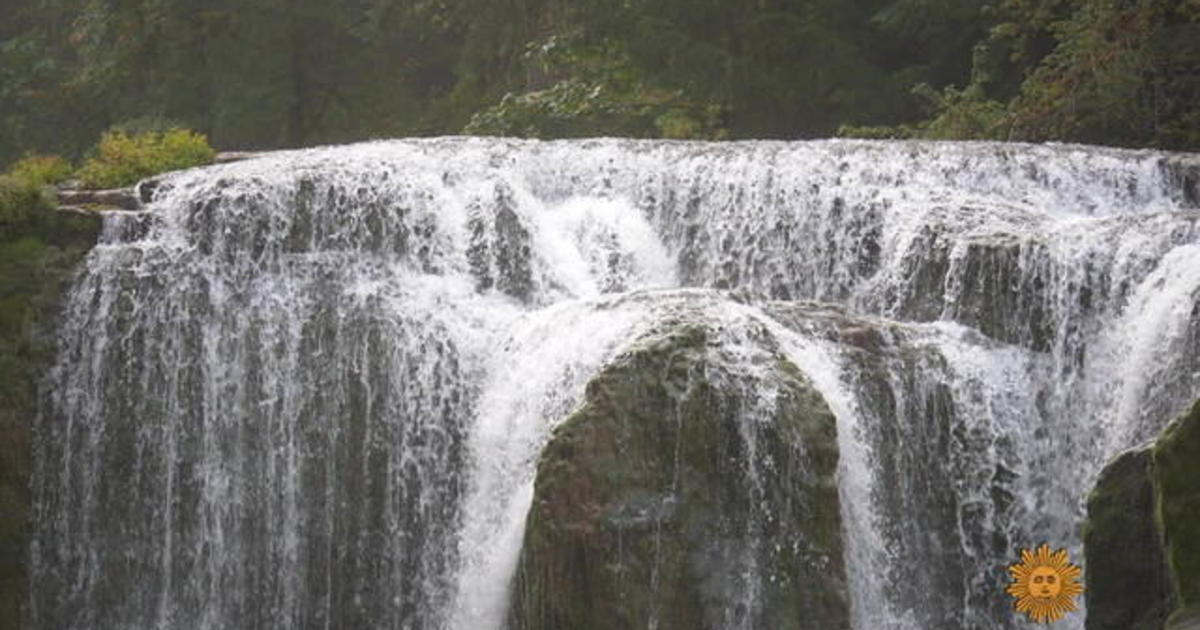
(1044, 584)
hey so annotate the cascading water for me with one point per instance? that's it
(310, 390)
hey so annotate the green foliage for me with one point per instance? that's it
(24, 206)
(1121, 73)
(682, 123)
(602, 93)
(122, 159)
(573, 108)
(1091, 71)
(41, 170)
(963, 114)
(265, 73)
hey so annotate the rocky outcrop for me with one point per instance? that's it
(691, 490)
(115, 199)
(1142, 538)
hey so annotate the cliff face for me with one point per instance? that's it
(672, 500)
(38, 250)
(1142, 537)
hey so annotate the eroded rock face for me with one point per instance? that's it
(690, 491)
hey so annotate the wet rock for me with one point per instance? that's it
(687, 493)
(1127, 580)
(1142, 538)
(119, 198)
(499, 251)
(226, 157)
(1177, 473)
(1183, 170)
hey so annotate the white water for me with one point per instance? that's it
(311, 389)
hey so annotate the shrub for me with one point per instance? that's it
(40, 170)
(965, 114)
(24, 206)
(122, 159)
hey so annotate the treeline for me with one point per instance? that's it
(282, 73)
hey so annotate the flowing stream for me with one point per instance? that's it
(310, 389)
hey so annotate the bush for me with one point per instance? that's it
(122, 159)
(40, 170)
(24, 206)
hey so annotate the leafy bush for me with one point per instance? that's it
(24, 206)
(595, 90)
(963, 114)
(122, 159)
(40, 170)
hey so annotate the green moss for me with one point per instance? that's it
(122, 159)
(1177, 471)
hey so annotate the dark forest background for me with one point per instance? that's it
(257, 74)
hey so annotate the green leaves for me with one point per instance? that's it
(122, 160)
(603, 93)
(275, 73)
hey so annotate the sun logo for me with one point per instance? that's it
(1044, 584)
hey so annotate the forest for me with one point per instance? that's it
(261, 74)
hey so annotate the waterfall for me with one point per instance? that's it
(310, 389)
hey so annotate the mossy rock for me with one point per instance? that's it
(1177, 472)
(1142, 538)
(1128, 583)
(689, 491)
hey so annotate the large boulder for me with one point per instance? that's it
(695, 488)
(1142, 537)
(1177, 473)
(1128, 583)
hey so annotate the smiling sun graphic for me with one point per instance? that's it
(1044, 584)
